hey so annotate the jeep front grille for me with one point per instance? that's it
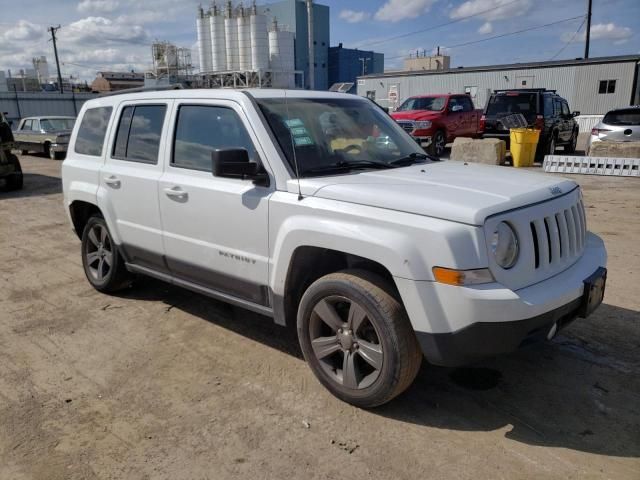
(560, 237)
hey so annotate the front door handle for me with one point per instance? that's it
(176, 192)
(112, 181)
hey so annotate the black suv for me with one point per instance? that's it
(543, 109)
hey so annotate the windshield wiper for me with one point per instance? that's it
(344, 165)
(410, 159)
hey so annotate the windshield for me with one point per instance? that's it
(337, 133)
(629, 116)
(434, 104)
(51, 124)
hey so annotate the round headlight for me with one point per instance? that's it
(504, 245)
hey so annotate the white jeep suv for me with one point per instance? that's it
(318, 210)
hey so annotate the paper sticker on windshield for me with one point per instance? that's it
(294, 122)
(299, 131)
(302, 141)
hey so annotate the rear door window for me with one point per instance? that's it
(139, 132)
(629, 116)
(510, 103)
(92, 130)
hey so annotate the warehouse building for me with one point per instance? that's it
(592, 86)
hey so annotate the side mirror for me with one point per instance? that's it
(234, 163)
(575, 114)
(457, 108)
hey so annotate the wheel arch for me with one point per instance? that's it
(308, 264)
(80, 211)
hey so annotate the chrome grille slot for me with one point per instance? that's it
(408, 126)
(571, 226)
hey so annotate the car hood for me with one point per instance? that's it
(415, 115)
(458, 191)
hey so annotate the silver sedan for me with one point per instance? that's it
(620, 125)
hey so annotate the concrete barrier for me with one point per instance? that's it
(615, 149)
(490, 151)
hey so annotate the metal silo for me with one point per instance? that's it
(204, 40)
(259, 40)
(244, 40)
(231, 38)
(282, 57)
(218, 40)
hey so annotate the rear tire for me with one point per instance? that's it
(46, 150)
(24, 152)
(56, 155)
(357, 339)
(15, 181)
(102, 262)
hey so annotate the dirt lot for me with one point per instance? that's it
(162, 383)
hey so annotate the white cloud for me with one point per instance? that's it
(602, 31)
(396, 10)
(351, 16)
(494, 9)
(97, 6)
(486, 28)
(24, 30)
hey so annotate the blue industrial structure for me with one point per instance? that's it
(291, 15)
(346, 64)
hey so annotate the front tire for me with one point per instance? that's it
(438, 143)
(573, 143)
(357, 339)
(102, 262)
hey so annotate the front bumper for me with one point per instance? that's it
(459, 325)
(423, 141)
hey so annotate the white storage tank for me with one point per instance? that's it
(244, 40)
(218, 41)
(259, 41)
(282, 57)
(204, 40)
(231, 38)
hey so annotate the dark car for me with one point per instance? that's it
(543, 109)
(10, 169)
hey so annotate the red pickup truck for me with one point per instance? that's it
(435, 120)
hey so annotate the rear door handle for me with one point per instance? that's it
(112, 181)
(176, 192)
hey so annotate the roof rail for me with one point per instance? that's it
(172, 86)
(524, 90)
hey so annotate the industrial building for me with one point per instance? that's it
(263, 46)
(592, 86)
(113, 81)
(346, 64)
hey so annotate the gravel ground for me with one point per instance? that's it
(162, 383)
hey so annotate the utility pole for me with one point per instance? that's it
(312, 56)
(364, 61)
(588, 36)
(53, 31)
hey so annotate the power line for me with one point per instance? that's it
(568, 42)
(473, 42)
(434, 27)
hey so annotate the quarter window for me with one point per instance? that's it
(607, 86)
(92, 130)
(139, 131)
(201, 129)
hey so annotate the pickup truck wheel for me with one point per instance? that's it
(15, 181)
(551, 146)
(438, 143)
(357, 338)
(102, 262)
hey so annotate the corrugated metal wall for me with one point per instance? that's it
(29, 104)
(577, 83)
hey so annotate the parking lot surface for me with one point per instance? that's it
(162, 383)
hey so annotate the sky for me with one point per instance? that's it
(117, 34)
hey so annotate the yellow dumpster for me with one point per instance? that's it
(523, 146)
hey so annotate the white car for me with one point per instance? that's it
(619, 125)
(318, 210)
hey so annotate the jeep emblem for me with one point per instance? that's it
(555, 190)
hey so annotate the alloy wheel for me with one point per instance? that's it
(345, 342)
(440, 143)
(99, 253)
